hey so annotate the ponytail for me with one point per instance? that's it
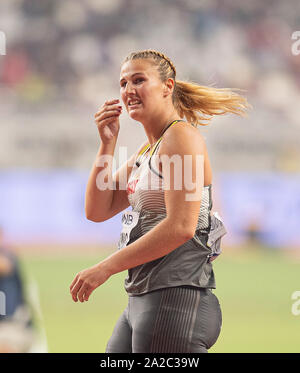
(199, 103)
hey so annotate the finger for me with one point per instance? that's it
(112, 107)
(107, 114)
(83, 289)
(108, 108)
(75, 289)
(107, 121)
(110, 102)
(74, 281)
(87, 294)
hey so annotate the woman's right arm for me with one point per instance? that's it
(103, 203)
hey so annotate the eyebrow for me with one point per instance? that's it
(132, 75)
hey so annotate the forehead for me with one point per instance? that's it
(145, 66)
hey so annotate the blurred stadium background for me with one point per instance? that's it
(62, 62)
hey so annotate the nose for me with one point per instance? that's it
(130, 88)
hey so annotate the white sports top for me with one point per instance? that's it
(189, 264)
(145, 187)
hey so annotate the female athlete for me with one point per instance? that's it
(169, 237)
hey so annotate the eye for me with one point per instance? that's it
(122, 84)
(138, 80)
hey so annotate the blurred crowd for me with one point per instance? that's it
(66, 54)
(63, 61)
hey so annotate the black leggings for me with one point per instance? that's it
(176, 319)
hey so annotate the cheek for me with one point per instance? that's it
(150, 94)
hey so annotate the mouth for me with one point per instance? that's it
(133, 103)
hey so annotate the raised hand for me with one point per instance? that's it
(107, 120)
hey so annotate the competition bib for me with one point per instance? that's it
(129, 221)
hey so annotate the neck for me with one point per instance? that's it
(155, 126)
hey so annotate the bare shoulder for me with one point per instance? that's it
(140, 148)
(183, 137)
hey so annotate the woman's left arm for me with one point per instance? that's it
(182, 159)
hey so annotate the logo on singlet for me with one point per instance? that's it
(131, 186)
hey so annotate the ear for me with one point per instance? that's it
(169, 87)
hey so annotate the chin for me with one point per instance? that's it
(135, 115)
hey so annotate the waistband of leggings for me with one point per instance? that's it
(204, 290)
(198, 288)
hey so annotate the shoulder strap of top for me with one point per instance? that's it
(159, 140)
(138, 163)
(156, 146)
(146, 147)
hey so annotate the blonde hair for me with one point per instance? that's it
(195, 102)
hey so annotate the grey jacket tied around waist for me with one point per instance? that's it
(216, 232)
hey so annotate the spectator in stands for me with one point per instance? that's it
(16, 321)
